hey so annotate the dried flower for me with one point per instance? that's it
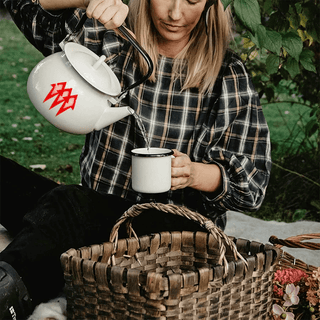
(291, 295)
(313, 292)
(289, 275)
(282, 313)
(296, 294)
(278, 291)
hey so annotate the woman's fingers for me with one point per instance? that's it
(180, 171)
(111, 13)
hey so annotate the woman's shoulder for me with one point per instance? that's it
(233, 66)
(233, 63)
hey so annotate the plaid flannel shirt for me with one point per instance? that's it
(225, 126)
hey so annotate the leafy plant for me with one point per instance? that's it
(285, 35)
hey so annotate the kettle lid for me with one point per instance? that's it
(92, 68)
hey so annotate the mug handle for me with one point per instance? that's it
(135, 44)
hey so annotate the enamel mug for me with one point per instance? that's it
(151, 170)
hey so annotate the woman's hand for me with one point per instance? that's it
(181, 171)
(111, 13)
(199, 176)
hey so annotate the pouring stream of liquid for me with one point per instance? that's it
(142, 129)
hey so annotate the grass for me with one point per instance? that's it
(287, 121)
(27, 138)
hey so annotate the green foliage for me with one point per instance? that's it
(248, 12)
(280, 40)
(286, 29)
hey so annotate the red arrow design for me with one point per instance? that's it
(63, 96)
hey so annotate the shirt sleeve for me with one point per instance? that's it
(240, 144)
(43, 29)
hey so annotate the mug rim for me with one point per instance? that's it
(166, 152)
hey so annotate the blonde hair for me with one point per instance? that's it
(200, 61)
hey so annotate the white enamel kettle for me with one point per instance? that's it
(75, 89)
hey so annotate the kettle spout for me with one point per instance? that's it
(111, 115)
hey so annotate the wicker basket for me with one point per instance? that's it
(170, 275)
(287, 260)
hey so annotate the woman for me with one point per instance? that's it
(199, 101)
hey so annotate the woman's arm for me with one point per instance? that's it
(111, 13)
(234, 172)
(62, 4)
(44, 29)
(46, 23)
(241, 143)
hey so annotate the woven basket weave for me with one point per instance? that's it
(170, 275)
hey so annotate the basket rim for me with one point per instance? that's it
(234, 267)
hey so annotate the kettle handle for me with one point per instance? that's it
(135, 44)
(146, 57)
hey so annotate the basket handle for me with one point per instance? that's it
(206, 223)
(295, 241)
